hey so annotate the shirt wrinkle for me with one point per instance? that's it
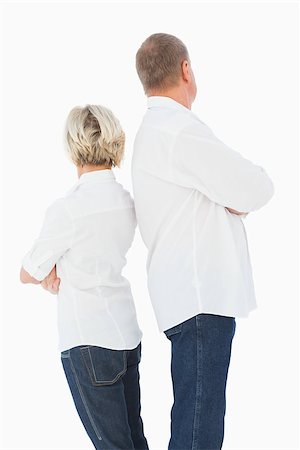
(183, 179)
(84, 236)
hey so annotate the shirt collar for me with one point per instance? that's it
(97, 176)
(166, 102)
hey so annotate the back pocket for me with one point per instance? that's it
(105, 366)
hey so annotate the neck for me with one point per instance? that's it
(90, 168)
(179, 95)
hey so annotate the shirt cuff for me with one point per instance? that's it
(33, 271)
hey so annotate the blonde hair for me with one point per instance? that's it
(158, 61)
(94, 136)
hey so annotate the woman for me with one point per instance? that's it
(86, 234)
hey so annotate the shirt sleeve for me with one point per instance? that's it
(54, 240)
(201, 161)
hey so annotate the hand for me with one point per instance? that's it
(51, 282)
(233, 211)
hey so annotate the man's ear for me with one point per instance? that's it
(185, 70)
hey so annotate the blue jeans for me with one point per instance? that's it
(105, 388)
(201, 349)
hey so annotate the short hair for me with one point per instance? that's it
(158, 61)
(94, 136)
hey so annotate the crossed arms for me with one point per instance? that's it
(207, 165)
(49, 283)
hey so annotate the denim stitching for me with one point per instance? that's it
(93, 368)
(199, 387)
(93, 376)
(173, 330)
(84, 402)
(65, 354)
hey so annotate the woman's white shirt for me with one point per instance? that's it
(87, 234)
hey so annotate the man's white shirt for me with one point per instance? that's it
(87, 234)
(183, 178)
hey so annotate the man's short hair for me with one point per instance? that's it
(94, 136)
(158, 61)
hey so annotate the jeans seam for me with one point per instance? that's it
(84, 401)
(93, 376)
(97, 382)
(199, 387)
(173, 330)
(93, 368)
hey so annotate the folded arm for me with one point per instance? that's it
(50, 283)
(201, 161)
(25, 277)
(233, 211)
(39, 264)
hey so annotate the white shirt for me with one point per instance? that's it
(183, 178)
(87, 234)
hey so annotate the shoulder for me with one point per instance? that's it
(58, 209)
(195, 126)
(125, 196)
(185, 123)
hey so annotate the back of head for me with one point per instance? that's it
(94, 136)
(158, 62)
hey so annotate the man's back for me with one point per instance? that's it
(198, 259)
(191, 192)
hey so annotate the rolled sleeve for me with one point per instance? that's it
(53, 242)
(201, 161)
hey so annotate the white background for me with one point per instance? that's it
(244, 57)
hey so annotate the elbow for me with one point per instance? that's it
(265, 193)
(271, 189)
(265, 190)
(259, 195)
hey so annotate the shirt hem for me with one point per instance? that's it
(207, 311)
(76, 343)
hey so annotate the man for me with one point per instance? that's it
(190, 192)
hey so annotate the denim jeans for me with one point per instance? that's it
(201, 349)
(105, 388)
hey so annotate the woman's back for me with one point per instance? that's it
(93, 227)
(80, 254)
